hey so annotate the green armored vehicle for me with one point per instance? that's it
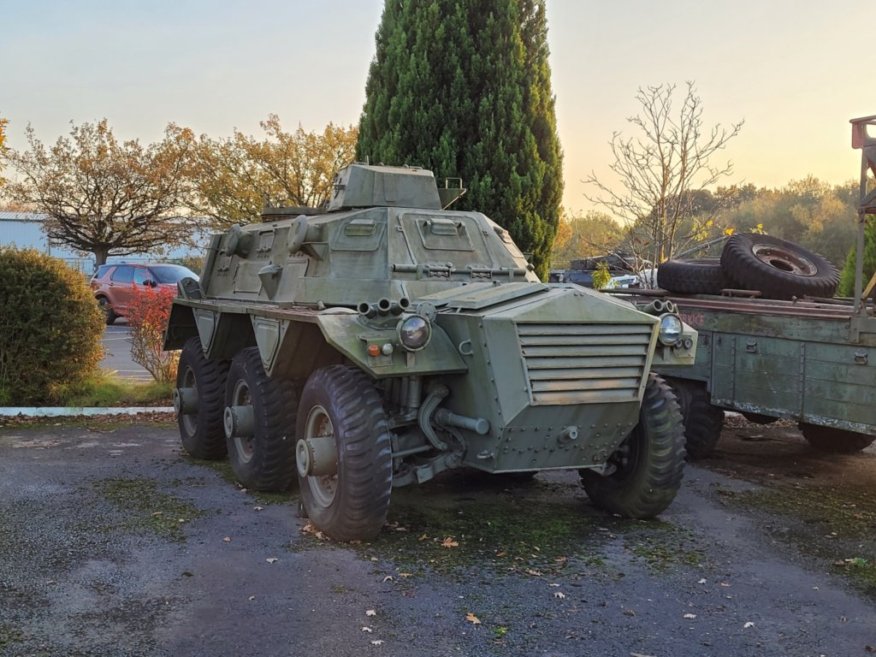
(384, 339)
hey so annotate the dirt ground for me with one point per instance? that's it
(112, 542)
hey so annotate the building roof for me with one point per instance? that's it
(28, 217)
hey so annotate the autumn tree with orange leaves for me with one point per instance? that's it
(102, 195)
(232, 179)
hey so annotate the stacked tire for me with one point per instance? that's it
(776, 268)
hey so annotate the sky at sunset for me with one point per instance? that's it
(793, 70)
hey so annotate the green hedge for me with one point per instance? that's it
(50, 328)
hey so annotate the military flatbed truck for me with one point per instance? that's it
(808, 359)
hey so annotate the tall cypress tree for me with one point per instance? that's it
(463, 87)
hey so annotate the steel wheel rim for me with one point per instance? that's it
(319, 424)
(190, 420)
(240, 396)
(783, 260)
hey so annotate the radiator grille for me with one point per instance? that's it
(584, 363)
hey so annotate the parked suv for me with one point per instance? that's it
(113, 284)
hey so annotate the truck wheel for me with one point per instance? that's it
(835, 441)
(779, 269)
(344, 454)
(199, 399)
(759, 418)
(649, 464)
(260, 424)
(703, 422)
(704, 276)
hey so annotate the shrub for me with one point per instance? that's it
(50, 327)
(847, 277)
(601, 276)
(148, 314)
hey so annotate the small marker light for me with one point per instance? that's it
(373, 350)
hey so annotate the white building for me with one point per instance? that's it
(24, 230)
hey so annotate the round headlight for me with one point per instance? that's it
(670, 329)
(414, 332)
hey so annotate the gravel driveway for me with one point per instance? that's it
(113, 543)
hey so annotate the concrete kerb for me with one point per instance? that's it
(73, 411)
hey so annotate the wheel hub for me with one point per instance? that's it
(783, 260)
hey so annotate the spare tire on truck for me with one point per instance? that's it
(777, 268)
(703, 276)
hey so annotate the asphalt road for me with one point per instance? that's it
(113, 543)
(117, 353)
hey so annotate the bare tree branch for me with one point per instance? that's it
(662, 169)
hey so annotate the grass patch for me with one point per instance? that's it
(146, 508)
(492, 528)
(108, 390)
(9, 635)
(834, 525)
(665, 546)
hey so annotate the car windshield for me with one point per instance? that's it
(171, 273)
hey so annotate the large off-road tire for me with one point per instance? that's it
(703, 422)
(262, 458)
(648, 466)
(341, 402)
(201, 431)
(108, 312)
(779, 269)
(835, 441)
(704, 276)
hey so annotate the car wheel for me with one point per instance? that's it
(199, 399)
(645, 473)
(835, 441)
(344, 454)
(259, 423)
(703, 422)
(107, 309)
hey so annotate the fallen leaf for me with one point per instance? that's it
(365, 628)
(748, 624)
(449, 543)
(533, 572)
(471, 618)
(272, 559)
(405, 575)
(559, 594)
(258, 508)
(423, 537)
(251, 598)
(388, 578)
(554, 584)
(377, 642)
(310, 528)
(638, 654)
(690, 616)
(227, 539)
(370, 612)
(702, 581)
(501, 553)
(629, 612)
